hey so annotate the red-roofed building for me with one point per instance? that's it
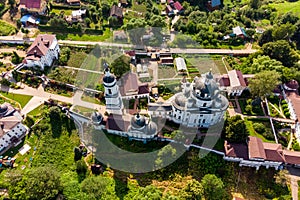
(130, 87)
(34, 6)
(177, 6)
(235, 82)
(291, 95)
(256, 153)
(42, 52)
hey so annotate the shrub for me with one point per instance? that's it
(248, 109)
(268, 135)
(259, 127)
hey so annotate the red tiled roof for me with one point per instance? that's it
(129, 83)
(224, 81)
(143, 88)
(292, 84)
(31, 3)
(178, 6)
(236, 150)
(295, 100)
(40, 46)
(274, 152)
(118, 122)
(256, 148)
(116, 11)
(292, 157)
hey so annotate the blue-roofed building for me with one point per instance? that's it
(213, 5)
(29, 20)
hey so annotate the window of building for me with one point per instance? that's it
(109, 91)
(204, 105)
(179, 117)
(203, 121)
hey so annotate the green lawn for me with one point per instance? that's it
(252, 132)
(57, 11)
(20, 98)
(37, 111)
(6, 28)
(107, 34)
(285, 7)
(76, 59)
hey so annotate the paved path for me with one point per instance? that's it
(294, 178)
(32, 104)
(18, 40)
(82, 69)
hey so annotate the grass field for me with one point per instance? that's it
(166, 72)
(76, 59)
(6, 28)
(107, 35)
(205, 63)
(20, 98)
(285, 7)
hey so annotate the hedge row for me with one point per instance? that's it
(4, 11)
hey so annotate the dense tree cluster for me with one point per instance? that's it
(235, 130)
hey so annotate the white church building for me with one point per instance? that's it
(199, 104)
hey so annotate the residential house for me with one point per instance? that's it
(120, 35)
(169, 11)
(178, 7)
(239, 32)
(117, 12)
(42, 52)
(213, 5)
(29, 20)
(123, 3)
(38, 7)
(76, 16)
(12, 131)
(256, 153)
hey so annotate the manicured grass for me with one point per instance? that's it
(20, 98)
(37, 111)
(6, 28)
(252, 132)
(285, 7)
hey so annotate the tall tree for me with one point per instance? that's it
(42, 183)
(213, 187)
(264, 83)
(192, 191)
(235, 130)
(282, 51)
(149, 192)
(121, 65)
